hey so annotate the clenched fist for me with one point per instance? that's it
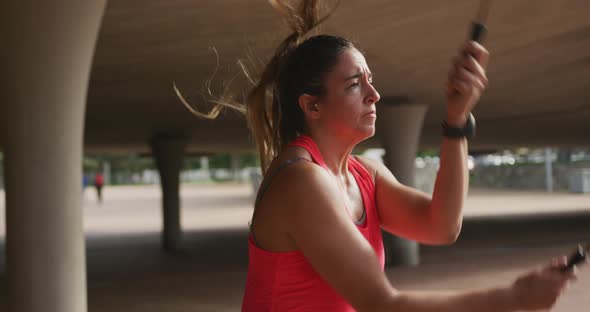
(467, 80)
(541, 288)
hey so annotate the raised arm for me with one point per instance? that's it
(413, 214)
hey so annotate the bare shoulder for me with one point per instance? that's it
(371, 165)
(301, 188)
(289, 153)
(377, 169)
(289, 191)
(303, 178)
(297, 184)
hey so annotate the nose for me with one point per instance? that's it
(373, 96)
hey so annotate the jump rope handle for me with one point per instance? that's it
(478, 31)
(578, 257)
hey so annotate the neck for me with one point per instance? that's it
(335, 150)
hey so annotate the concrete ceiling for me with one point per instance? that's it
(539, 91)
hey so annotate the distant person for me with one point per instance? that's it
(84, 182)
(98, 184)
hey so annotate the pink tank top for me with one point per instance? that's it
(286, 281)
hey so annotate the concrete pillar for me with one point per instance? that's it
(399, 127)
(45, 61)
(1, 170)
(564, 155)
(235, 166)
(169, 154)
(205, 166)
(204, 162)
(106, 172)
(548, 170)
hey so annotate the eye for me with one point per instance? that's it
(354, 85)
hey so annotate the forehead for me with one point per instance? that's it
(351, 61)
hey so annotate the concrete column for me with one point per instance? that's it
(106, 172)
(169, 154)
(45, 61)
(1, 169)
(564, 155)
(235, 166)
(205, 166)
(399, 127)
(548, 170)
(204, 162)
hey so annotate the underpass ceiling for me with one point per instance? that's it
(539, 72)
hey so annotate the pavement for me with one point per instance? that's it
(505, 233)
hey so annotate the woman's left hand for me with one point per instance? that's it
(467, 80)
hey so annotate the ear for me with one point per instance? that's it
(309, 105)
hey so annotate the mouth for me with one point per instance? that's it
(371, 113)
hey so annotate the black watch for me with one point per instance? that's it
(468, 131)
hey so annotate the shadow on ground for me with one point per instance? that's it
(129, 272)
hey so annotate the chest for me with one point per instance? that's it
(353, 198)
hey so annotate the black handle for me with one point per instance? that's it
(478, 32)
(577, 257)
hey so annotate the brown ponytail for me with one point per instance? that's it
(271, 106)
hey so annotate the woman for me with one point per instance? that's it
(315, 242)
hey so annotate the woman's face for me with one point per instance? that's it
(348, 105)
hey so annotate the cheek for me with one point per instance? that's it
(352, 105)
(346, 116)
(343, 109)
(351, 99)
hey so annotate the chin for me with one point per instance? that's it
(366, 133)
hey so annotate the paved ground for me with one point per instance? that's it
(504, 233)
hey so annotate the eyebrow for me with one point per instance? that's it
(358, 76)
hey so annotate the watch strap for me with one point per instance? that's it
(467, 131)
